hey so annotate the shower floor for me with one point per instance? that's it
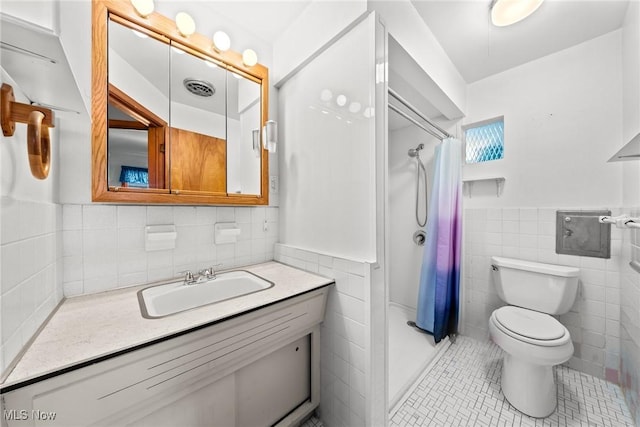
(410, 351)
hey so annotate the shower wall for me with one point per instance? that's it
(406, 256)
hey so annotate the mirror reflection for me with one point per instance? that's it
(178, 121)
(198, 124)
(138, 109)
(243, 138)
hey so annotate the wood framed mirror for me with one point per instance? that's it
(173, 120)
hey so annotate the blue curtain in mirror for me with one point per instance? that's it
(134, 176)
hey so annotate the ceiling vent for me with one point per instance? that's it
(199, 87)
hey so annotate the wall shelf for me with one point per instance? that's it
(498, 180)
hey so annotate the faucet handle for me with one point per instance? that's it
(188, 276)
(210, 272)
(206, 272)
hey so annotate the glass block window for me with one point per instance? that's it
(484, 140)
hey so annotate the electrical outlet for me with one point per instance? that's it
(273, 184)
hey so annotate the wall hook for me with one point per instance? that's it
(38, 120)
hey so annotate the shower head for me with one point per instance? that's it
(415, 152)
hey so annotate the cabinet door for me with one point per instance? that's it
(272, 387)
(197, 162)
(212, 405)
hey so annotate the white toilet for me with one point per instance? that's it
(533, 340)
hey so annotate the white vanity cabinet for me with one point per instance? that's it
(255, 369)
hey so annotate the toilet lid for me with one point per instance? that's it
(529, 323)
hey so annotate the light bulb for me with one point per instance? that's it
(341, 100)
(185, 23)
(144, 8)
(354, 107)
(326, 95)
(221, 41)
(249, 57)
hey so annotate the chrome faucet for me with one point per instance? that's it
(189, 278)
(201, 276)
(208, 273)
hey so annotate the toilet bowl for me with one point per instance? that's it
(531, 352)
(533, 341)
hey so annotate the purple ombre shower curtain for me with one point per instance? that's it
(440, 274)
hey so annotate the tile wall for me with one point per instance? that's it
(529, 233)
(31, 270)
(104, 245)
(343, 334)
(630, 320)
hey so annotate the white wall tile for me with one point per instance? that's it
(225, 214)
(184, 215)
(528, 214)
(131, 216)
(98, 216)
(159, 215)
(206, 215)
(72, 217)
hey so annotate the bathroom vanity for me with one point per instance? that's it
(251, 360)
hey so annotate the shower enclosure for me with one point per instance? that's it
(411, 143)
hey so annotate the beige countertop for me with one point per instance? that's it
(89, 327)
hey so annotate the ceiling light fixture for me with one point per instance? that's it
(221, 41)
(144, 8)
(249, 57)
(185, 23)
(507, 12)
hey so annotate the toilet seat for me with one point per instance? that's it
(530, 326)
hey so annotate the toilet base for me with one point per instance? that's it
(530, 388)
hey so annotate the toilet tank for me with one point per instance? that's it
(542, 287)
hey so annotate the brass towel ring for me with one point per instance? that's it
(38, 145)
(38, 121)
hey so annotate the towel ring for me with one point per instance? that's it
(38, 121)
(38, 145)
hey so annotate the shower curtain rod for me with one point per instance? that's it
(414, 121)
(414, 110)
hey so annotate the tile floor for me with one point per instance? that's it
(463, 389)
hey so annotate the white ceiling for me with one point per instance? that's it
(266, 19)
(479, 49)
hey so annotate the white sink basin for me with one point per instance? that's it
(163, 300)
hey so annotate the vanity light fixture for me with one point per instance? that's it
(270, 136)
(249, 57)
(221, 41)
(144, 8)
(508, 12)
(185, 23)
